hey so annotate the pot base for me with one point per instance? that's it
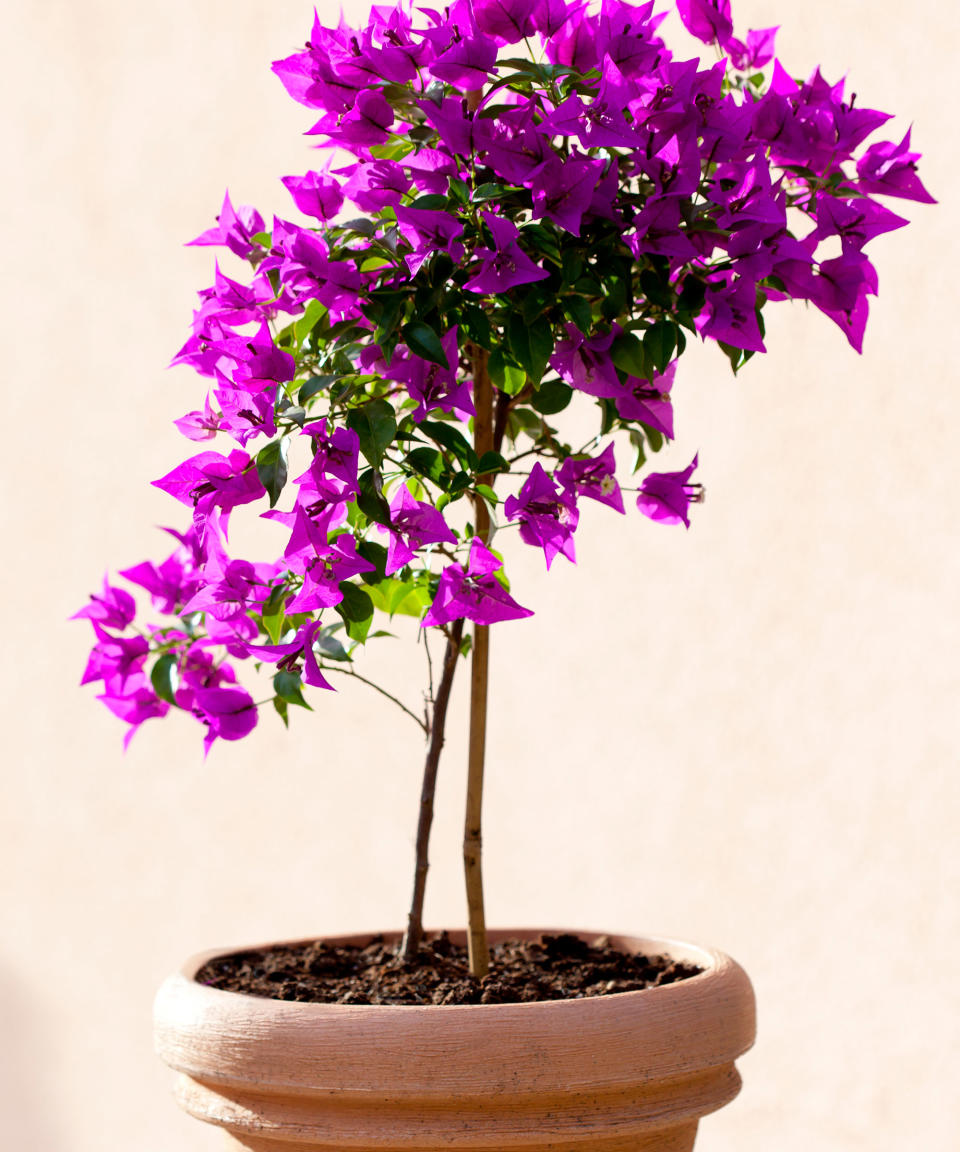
(676, 1140)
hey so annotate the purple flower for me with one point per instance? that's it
(508, 21)
(211, 480)
(245, 413)
(547, 515)
(230, 303)
(323, 563)
(507, 265)
(627, 37)
(708, 20)
(413, 524)
(315, 194)
(432, 232)
(134, 706)
(115, 660)
(473, 592)
(593, 476)
(170, 583)
(854, 221)
(517, 146)
(302, 260)
(332, 475)
(229, 713)
(756, 53)
(367, 122)
(235, 230)
(667, 496)
(730, 314)
(257, 361)
(585, 364)
(116, 608)
(299, 648)
(460, 131)
(563, 190)
(891, 170)
(432, 385)
(549, 16)
(466, 63)
(198, 425)
(648, 401)
(375, 184)
(430, 169)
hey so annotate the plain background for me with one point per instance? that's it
(744, 734)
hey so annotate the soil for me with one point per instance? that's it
(549, 968)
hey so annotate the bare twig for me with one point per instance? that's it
(414, 933)
(483, 438)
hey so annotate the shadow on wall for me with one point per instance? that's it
(28, 1101)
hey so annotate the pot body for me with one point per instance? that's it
(631, 1072)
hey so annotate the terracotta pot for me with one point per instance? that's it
(632, 1072)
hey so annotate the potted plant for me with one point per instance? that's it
(551, 204)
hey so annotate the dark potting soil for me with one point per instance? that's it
(550, 968)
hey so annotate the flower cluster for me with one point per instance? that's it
(550, 204)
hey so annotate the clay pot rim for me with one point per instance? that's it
(711, 960)
(592, 1044)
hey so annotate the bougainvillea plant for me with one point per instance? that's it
(525, 205)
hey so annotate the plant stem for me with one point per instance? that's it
(383, 692)
(414, 933)
(483, 439)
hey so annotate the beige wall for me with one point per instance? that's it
(759, 750)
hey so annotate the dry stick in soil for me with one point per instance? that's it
(483, 439)
(414, 933)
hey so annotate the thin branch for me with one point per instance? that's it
(414, 933)
(383, 692)
(484, 439)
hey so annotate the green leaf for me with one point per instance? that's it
(432, 201)
(384, 309)
(655, 290)
(281, 706)
(272, 468)
(531, 344)
(370, 499)
(491, 192)
(459, 191)
(375, 423)
(288, 688)
(488, 494)
(400, 597)
(451, 438)
(426, 462)
(543, 239)
(535, 302)
(376, 555)
(475, 323)
(304, 325)
(692, 295)
(329, 646)
(552, 396)
(506, 375)
(628, 355)
(654, 438)
(571, 265)
(356, 604)
(424, 342)
(164, 677)
(579, 311)
(312, 386)
(659, 341)
(491, 462)
(272, 614)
